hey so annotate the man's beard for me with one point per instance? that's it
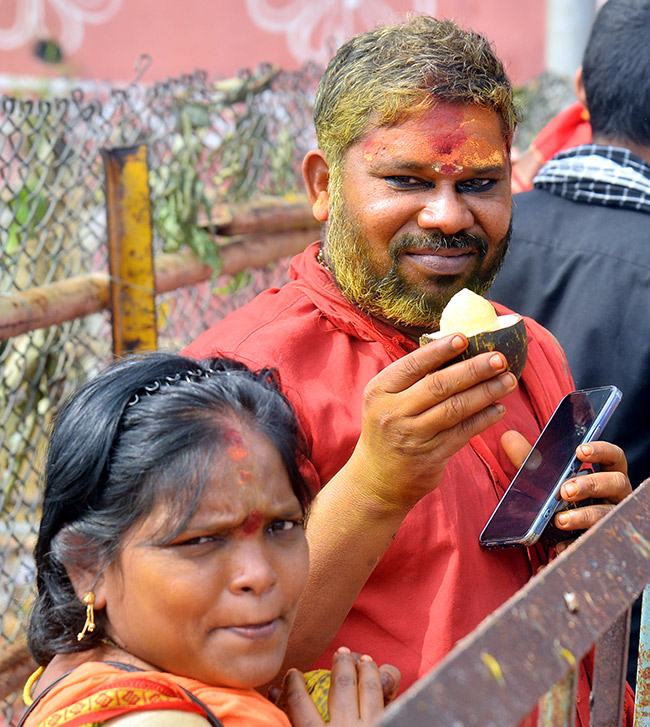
(390, 295)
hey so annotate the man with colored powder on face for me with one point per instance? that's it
(411, 181)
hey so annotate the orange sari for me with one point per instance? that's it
(96, 691)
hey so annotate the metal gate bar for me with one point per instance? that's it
(130, 245)
(496, 675)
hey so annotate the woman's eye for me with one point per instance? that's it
(280, 526)
(202, 540)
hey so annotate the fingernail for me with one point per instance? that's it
(274, 693)
(508, 380)
(366, 657)
(502, 384)
(563, 519)
(500, 407)
(586, 450)
(458, 342)
(496, 361)
(343, 650)
(571, 489)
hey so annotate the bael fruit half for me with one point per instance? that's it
(469, 313)
(318, 686)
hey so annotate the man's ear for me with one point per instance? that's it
(316, 173)
(579, 87)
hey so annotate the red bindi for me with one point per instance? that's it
(449, 168)
(237, 452)
(252, 523)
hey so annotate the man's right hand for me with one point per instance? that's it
(416, 415)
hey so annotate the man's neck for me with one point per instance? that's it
(641, 150)
(412, 332)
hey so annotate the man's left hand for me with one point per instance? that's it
(610, 485)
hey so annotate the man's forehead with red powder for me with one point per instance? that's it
(453, 138)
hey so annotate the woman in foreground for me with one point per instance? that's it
(171, 556)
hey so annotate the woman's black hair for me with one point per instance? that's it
(141, 432)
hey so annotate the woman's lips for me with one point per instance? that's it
(256, 632)
(442, 262)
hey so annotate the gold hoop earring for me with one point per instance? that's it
(89, 600)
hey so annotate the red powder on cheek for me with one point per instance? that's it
(252, 523)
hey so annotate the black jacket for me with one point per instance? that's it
(583, 271)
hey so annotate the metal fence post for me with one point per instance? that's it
(642, 701)
(133, 300)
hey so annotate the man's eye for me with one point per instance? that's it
(476, 185)
(401, 182)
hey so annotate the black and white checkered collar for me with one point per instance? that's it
(594, 174)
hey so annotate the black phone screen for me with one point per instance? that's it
(550, 462)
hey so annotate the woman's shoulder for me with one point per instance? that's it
(158, 718)
(101, 691)
(245, 707)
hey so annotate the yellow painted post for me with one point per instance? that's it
(130, 241)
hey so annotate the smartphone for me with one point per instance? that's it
(533, 498)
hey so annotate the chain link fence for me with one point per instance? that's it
(208, 142)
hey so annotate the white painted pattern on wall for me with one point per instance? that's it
(314, 29)
(73, 15)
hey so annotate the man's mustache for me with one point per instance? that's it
(434, 243)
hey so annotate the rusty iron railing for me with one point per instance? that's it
(130, 249)
(268, 230)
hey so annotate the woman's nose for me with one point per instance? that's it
(253, 571)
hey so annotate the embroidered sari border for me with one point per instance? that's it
(132, 694)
